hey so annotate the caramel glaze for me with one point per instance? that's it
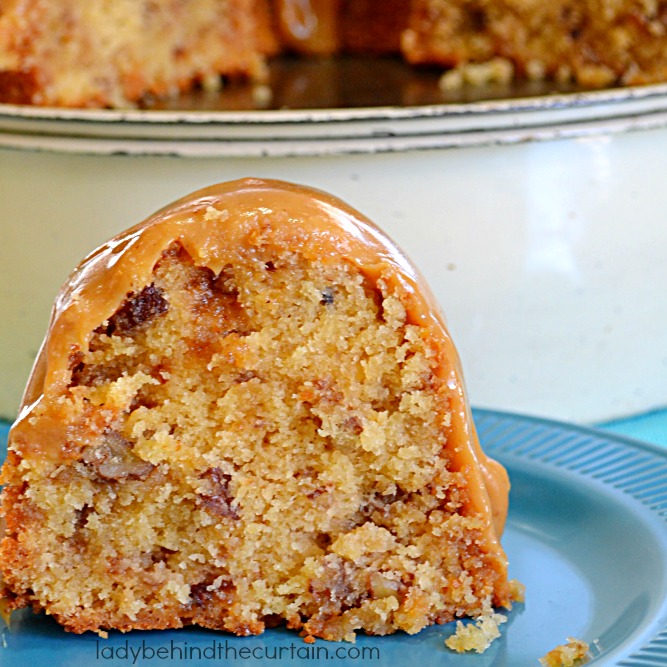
(309, 26)
(315, 224)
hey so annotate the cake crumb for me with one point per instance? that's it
(496, 70)
(5, 611)
(477, 636)
(262, 95)
(572, 654)
(517, 591)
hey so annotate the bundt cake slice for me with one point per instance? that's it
(247, 411)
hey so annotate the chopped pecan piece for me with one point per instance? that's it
(217, 499)
(138, 310)
(114, 459)
(210, 591)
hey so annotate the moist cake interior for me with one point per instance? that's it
(261, 446)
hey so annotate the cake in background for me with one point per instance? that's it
(594, 43)
(115, 53)
(112, 53)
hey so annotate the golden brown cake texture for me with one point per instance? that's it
(115, 52)
(247, 411)
(593, 42)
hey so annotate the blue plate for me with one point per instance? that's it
(586, 533)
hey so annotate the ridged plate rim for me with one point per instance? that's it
(631, 467)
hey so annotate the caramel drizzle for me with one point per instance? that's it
(309, 26)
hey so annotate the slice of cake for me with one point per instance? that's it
(248, 411)
(112, 53)
(592, 42)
